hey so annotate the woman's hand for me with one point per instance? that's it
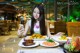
(24, 33)
(49, 35)
(21, 30)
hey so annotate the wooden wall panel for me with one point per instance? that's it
(2, 0)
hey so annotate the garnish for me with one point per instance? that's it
(50, 40)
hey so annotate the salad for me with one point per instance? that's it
(73, 45)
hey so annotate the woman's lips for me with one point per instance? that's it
(36, 16)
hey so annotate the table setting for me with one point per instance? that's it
(37, 41)
(59, 40)
(69, 44)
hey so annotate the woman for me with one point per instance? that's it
(37, 22)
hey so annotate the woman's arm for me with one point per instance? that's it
(27, 26)
(48, 31)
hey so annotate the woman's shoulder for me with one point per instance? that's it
(28, 22)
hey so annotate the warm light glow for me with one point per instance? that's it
(19, 14)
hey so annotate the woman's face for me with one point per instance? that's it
(36, 13)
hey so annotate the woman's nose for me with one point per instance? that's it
(36, 15)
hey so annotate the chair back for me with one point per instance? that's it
(73, 28)
(60, 26)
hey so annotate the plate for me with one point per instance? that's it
(56, 38)
(36, 39)
(49, 46)
(21, 44)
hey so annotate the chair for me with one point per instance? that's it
(73, 28)
(14, 25)
(60, 26)
(5, 28)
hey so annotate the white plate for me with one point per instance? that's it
(49, 46)
(56, 38)
(21, 44)
(36, 39)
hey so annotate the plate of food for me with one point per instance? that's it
(36, 37)
(49, 43)
(61, 39)
(73, 45)
(28, 43)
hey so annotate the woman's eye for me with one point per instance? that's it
(36, 12)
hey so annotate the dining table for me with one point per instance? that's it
(12, 46)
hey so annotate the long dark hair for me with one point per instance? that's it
(41, 20)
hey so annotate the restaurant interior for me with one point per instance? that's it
(62, 16)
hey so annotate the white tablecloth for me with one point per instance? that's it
(50, 50)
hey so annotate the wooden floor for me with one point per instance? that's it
(6, 37)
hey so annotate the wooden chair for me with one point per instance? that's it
(73, 28)
(5, 28)
(60, 26)
(1, 25)
(14, 25)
